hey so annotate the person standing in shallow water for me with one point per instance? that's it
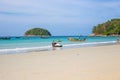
(53, 44)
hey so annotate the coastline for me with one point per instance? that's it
(87, 63)
(50, 48)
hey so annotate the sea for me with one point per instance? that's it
(21, 44)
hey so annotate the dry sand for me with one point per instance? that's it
(90, 63)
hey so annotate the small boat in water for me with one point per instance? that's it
(54, 44)
(76, 39)
(58, 40)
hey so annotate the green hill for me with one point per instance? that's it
(111, 27)
(37, 32)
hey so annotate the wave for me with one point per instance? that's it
(22, 50)
(91, 43)
(44, 48)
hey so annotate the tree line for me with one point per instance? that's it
(111, 27)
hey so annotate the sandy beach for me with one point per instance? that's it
(89, 63)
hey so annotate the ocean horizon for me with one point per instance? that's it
(22, 44)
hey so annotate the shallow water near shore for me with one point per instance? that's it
(29, 44)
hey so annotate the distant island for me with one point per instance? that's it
(109, 28)
(37, 32)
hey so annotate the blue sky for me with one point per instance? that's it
(60, 17)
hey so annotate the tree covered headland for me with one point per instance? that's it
(111, 27)
(38, 32)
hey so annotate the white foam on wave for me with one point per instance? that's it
(18, 50)
(90, 43)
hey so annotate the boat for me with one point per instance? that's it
(54, 44)
(76, 39)
(58, 40)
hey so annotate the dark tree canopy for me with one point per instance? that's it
(38, 32)
(111, 27)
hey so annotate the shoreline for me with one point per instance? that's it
(63, 49)
(50, 48)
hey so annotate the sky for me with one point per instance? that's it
(60, 17)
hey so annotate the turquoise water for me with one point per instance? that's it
(25, 44)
